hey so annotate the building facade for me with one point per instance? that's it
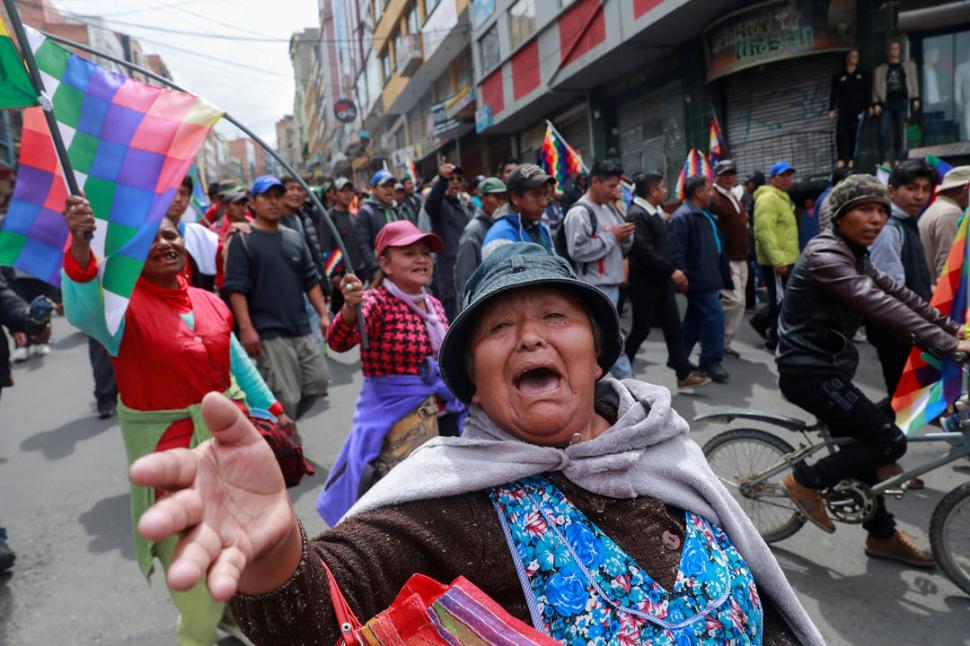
(638, 80)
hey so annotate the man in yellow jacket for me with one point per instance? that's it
(776, 243)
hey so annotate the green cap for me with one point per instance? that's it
(491, 185)
(855, 190)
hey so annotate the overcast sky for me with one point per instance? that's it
(256, 97)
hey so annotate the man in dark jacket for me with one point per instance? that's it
(493, 194)
(653, 277)
(448, 219)
(832, 287)
(576, 191)
(344, 221)
(732, 221)
(18, 316)
(898, 252)
(376, 211)
(697, 250)
(295, 217)
(849, 99)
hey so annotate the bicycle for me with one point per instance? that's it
(762, 459)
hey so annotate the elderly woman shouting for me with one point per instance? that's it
(574, 500)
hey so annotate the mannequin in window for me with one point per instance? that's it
(895, 91)
(848, 102)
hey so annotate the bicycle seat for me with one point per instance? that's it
(727, 416)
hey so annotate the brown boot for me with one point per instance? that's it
(887, 471)
(899, 548)
(810, 502)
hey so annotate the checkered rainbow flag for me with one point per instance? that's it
(696, 163)
(130, 143)
(929, 384)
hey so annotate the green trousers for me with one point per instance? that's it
(199, 616)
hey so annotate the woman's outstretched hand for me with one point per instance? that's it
(227, 499)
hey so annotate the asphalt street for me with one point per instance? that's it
(64, 501)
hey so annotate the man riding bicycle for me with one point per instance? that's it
(832, 287)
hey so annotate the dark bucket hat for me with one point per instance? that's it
(514, 266)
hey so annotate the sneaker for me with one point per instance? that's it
(809, 502)
(717, 373)
(7, 557)
(899, 548)
(19, 355)
(42, 349)
(731, 352)
(106, 410)
(694, 380)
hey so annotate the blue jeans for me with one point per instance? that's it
(311, 313)
(892, 125)
(704, 322)
(622, 368)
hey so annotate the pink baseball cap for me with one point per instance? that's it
(402, 234)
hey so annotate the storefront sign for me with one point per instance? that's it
(444, 113)
(345, 110)
(484, 117)
(778, 30)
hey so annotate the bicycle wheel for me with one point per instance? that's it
(737, 457)
(950, 535)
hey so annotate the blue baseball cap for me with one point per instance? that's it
(780, 168)
(382, 176)
(265, 183)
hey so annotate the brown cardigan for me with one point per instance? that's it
(732, 225)
(373, 554)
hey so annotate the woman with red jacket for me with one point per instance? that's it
(174, 345)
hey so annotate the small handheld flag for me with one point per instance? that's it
(715, 147)
(333, 261)
(558, 158)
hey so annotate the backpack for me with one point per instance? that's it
(559, 240)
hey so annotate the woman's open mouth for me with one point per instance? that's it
(538, 380)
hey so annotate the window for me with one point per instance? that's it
(386, 66)
(488, 49)
(414, 25)
(430, 6)
(522, 21)
(945, 88)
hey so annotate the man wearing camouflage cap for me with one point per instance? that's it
(832, 287)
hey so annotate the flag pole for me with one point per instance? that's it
(45, 101)
(266, 147)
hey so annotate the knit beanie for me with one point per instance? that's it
(855, 190)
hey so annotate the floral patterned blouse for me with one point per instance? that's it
(582, 588)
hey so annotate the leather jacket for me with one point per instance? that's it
(832, 288)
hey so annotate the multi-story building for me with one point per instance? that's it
(305, 56)
(155, 63)
(213, 159)
(412, 83)
(288, 140)
(638, 80)
(251, 158)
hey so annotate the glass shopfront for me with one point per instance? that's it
(945, 86)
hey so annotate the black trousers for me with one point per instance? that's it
(846, 133)
(848, 413)
(105, 390)
(774, 302)
(892, 352)
(656, 302)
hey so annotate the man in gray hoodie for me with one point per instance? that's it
(598, 251)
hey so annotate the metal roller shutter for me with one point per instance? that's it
(652, 132)
(779, 112)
